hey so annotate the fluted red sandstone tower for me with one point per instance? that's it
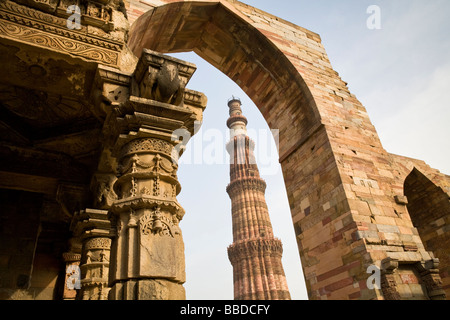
(255, 254)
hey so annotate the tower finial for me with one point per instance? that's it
(237, 123)
(234, 99)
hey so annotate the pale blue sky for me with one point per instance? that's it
(400, 73)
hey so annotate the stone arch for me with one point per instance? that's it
(228, 41)
(429, 209)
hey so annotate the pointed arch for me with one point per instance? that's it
(226, 39)
(429, 209)
(426, 201)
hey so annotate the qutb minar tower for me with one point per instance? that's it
(255, 254)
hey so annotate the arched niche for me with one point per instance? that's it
(429, 209)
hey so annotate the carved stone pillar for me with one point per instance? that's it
(93, 228)
(147, 258)
(150, 248)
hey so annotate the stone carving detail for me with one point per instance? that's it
(156, 187)
(54, 42)
(432, 280)
(103, 190)
(47, 22)
(146, 191)
(98, 243)
(174, 191)
(133, 165)
(259, 247)
(156, 223)
(428, 274)
(164, 86)
(95, 13)
(46, 71)
(98, 11)
(134, 188)
(163, 79)
(388, 283)
(147, 145)
(159, 165)
(71, 257)
(50, 31)
(247, 184)
(36, 104)
(389, 287)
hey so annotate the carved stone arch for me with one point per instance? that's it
(431, 201)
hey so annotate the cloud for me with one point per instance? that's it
(420, 128)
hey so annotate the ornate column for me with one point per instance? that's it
(147, 258)
(93, 229)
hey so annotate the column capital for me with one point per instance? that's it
(152, 101)
(71, 257)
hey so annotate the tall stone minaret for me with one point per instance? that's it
(255, 254)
